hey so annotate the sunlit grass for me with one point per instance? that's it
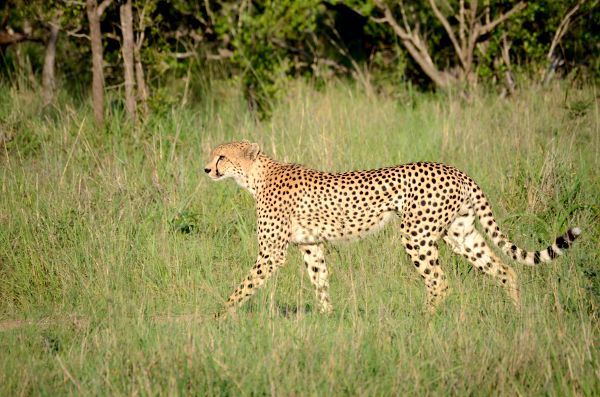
(115, 250)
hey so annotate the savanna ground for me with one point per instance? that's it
(115, 251)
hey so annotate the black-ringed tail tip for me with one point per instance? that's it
(532, 258)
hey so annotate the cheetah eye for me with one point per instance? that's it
(221, 157)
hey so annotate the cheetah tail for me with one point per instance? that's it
(531, 258)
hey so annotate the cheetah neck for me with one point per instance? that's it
(255, 176)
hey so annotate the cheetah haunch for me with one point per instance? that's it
(298, 205)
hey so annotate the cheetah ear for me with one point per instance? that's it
(252, 151)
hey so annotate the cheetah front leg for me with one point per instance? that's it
(270, 258)
(314, 260)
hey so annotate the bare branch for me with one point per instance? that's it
(141, 18)
(405, 20)
(77, 35)
(70, 32)
(183, 55)
(222, 53)
(112, 36)
(488, 27)
(446, 24)
(10, 37)
(414, 45)
(461, 24)
(390, 20)
(472, 14)
(102, 6)
(562, 29)
(74, 3)
(209, 12)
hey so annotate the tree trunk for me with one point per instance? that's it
(48, 75)
(142, 89)
(508, 74)
(94, 12)
(127, 48)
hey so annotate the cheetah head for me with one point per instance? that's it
(232, 160)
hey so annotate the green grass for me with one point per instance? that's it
(115, 250)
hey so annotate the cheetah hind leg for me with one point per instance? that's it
(424, 255)
(314, 260)
(465, 240)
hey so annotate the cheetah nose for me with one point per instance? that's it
(207, 170)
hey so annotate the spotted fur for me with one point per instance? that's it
(305, 207)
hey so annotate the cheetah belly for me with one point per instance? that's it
(338, 229)
(369, 226)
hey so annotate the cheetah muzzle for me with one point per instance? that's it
(297, 205)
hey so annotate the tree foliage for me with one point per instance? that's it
(262, 43)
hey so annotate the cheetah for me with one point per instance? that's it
(305, 207)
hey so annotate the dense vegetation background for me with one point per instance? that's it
(263, 44)
(115, 250)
